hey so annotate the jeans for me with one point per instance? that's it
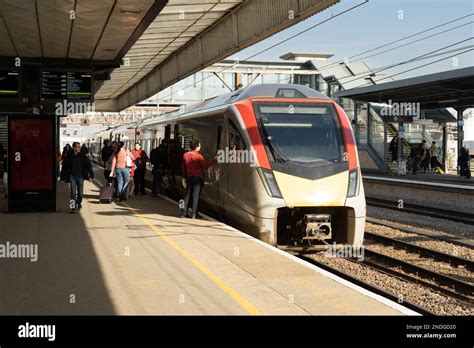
(195, 185)
(76, 184)
(156, 186)
(139, 178)
(123, 177)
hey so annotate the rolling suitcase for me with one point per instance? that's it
(106, 194)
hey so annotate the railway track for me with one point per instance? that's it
(403, 270)
(422, 251)
(450, 215)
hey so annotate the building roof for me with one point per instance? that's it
(454, 88)
(307, 55)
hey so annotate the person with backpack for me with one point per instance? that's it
(160, 162)
(76, 168)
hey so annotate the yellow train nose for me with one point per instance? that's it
(301, 192)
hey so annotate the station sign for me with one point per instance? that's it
(73, 86)
(9, 84)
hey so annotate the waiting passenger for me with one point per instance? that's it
(76, 169)
(66, 151)
(119, 169)
(415, 156)
(464, 162)
(84, 150)
(106, 154)
(58, 163)
(434, 156)
(131, 166)
(393, 147)
(140, 161)
(159, 160)
(193, 166)
(424, 156)
(108, 164)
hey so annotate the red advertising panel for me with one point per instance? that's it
(31, 142)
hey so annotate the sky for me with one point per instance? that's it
(376, 23)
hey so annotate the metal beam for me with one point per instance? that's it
(255, 21)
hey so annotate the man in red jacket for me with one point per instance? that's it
(193, 166)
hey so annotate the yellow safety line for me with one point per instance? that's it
(218, 281)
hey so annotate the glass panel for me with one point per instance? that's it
(377, 133)
(305, 135)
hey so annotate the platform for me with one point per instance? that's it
(428, 178)
(141, 258)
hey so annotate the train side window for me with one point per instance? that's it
(219, 137)
(236, 140)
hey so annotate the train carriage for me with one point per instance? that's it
(288, 171)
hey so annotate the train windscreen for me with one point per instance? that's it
(308, 134)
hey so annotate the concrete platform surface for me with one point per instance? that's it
(141, 258)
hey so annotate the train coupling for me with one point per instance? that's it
(316, 227)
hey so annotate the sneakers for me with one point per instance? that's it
(79, 207)
(183, 214)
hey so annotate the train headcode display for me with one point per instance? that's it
(9, 84)
(66, 85)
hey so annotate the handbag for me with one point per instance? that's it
(129, 161)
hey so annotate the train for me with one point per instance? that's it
(287, 168)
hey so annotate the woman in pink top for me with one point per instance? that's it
(119, 168)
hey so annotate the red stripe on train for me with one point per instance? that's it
(348, 136)
(245, 108)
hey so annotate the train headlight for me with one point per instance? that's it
(271, 184)
(353, 183)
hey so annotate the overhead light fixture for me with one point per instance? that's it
(130, 12)
(448, 101)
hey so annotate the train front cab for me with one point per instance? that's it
(302, 204)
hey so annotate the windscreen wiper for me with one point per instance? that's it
(277, 153)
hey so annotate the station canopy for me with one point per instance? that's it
(454, 88)
(140, 47)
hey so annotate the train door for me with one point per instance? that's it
(220, 169)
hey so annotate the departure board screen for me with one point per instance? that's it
(66, 85)
(9, 84)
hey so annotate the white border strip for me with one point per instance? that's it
(418, 182)
(338, 279)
